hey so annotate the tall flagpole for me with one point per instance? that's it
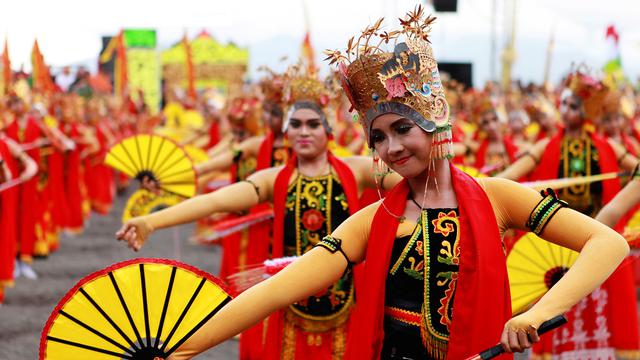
(494, 35)
(547, 63)
(509, 52)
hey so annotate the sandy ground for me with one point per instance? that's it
(28, 305)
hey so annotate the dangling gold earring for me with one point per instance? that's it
(378, 172)
(380, 169)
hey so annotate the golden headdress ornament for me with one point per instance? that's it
(483, 103)
(589, 89)
(538, 105)
(245, 112)
(618, 101)
(405, 81)
(611, 102)
(300, 85)
(272, 86)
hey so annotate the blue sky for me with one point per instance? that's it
(69, 31)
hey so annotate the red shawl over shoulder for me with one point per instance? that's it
(8, 220)
(550, 161)
(482, 303)
(348, 181)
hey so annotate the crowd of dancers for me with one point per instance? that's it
(317, 154)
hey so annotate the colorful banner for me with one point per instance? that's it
(41, 78)
(191, 76)
(308, 54)
(5, 65)
(215, 66)
(140, 38)
(144, 74)
(613, 67)
(137, 66)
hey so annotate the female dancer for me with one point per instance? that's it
(435, 282)
(312, 194)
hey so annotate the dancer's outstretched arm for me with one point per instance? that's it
(526, 163)
(311, 273)
(601, 251)
(233, 198)
(224, 160)
(622, 203)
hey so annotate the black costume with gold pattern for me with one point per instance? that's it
(279, 156)
(246, 167)
(314, 207)
(419, 308)
(579, 157)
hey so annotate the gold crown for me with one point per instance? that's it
(612, 101)
(618, 101)
(301, 85)
(405, 81)
(482, 103)
(272, 86)
(590, 90)
(538, 104)
(245, 113)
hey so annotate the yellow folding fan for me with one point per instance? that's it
(137, 309)
(143, 202)
(471, 171)
(158, 158)
(534, 266)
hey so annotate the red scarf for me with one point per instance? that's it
(457, 136)
(30, 215)
(629, 144)
(260, 234)
(482, 303)
(265, 152)
(31, 133)
(550, 162)
(8, 220)
(348, 181)
(214, 134)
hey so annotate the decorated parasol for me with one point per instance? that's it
(137, 309)
(534, 266)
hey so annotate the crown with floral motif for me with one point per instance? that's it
(589, 89)
(301, 85)
(405, 81)
(272, 86)
(245, 112)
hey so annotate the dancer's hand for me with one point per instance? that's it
(135, 232)
(521, 332)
